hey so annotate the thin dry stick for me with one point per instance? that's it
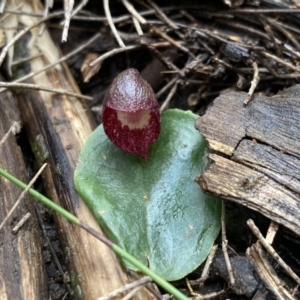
(287, 26)
(91, 40)
(142, 281)
(272, 251)
(162, 15)
(254, 83)
(23, 32)
(266, 272)
(143, 21)
(43, 88)
(171, 41)
(170, 96)
(262, 11)
(189, 287)
(165, 61)
(24, 13)
(150, 287)
(2, 6)
(212, 295)
(224, 247)
(14, 128)
(209, 260)
(167, 86)
(190, 17)
(45, 14)
(111, 24)
(281, 61)
(32, 181)
(21, 223)
(132, 293)
(272, 37)
(26, 59)
(225, 64)
(77, 9)
(115, 51)
(285, 32)
(69, 4)
(271, 233)
(137, 26)
(133, 12)
(112, 52)
(136, 17)
(265, 63)
(295, 290)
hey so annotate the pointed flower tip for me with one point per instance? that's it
(130, 116)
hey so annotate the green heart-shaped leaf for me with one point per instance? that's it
(152, 207)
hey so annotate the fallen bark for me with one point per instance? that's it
(22, 273)
(261, 144)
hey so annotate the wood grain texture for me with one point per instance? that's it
(262, 170)
(270, 120)
(281, 167)
(223, 124)
(244, 185)
(267, 273)
(57, 127)
(22, 274)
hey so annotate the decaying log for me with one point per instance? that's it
(57, 127)
(262, 145)
(22, 274)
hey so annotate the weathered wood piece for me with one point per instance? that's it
(22, 274)
(57, 127)
(267, 273)
(262, 142)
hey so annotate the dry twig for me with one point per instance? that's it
(167, 86)
(77, 9)
(134, 12)
(111, 24)
(280, 61)
(209, 260)
(42, 88)
(271, 233)
(224, 247)
(267, 273)
(2, 6)
(254, 83)
(272, 251)
(68, 13)
(32, 181)
(21, 223)
(212, 295)
(132, 293)
(169, 97)
(15, 128)
(140, 282)
(112, 52)
(162, 15)
(45, 14)
(64, 58)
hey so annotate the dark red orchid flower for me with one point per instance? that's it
(130, 115)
